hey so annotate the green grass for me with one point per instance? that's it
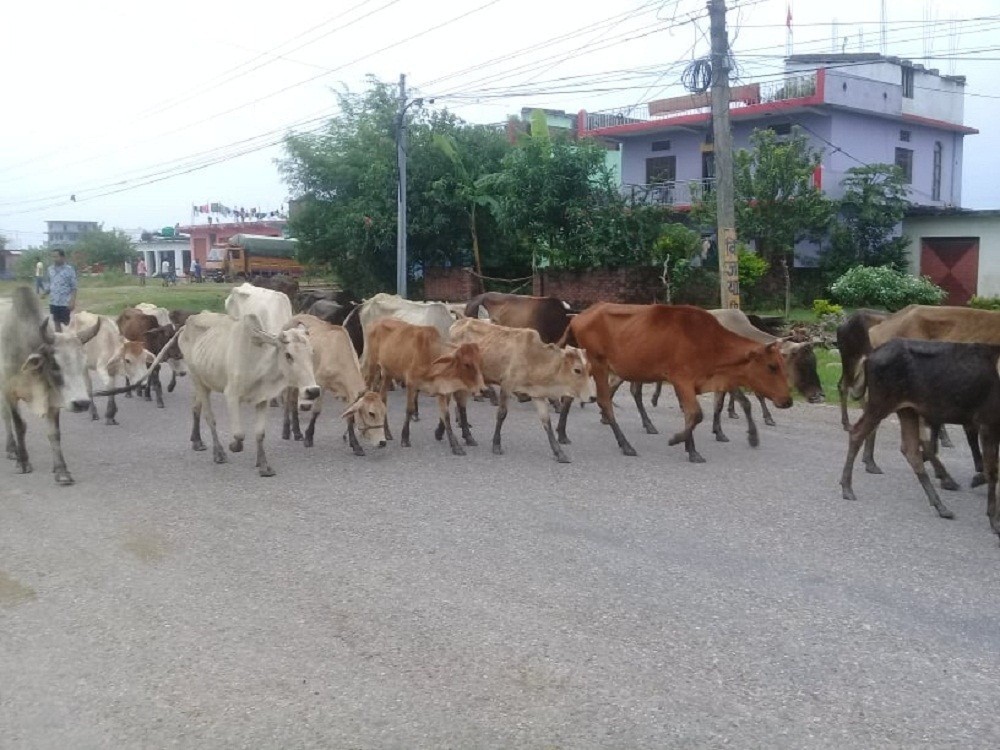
(95, 297)
(828, 365)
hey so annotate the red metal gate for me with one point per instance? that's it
(953, 264)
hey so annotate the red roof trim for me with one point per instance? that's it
(942, 124)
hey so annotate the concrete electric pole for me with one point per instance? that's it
(401, 198)
(729, 269)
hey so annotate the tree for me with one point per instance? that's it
(109, 249)
(777, 202)
(673, 251)
(874, 203)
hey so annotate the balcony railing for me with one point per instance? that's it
(673, 193)
(791, 87)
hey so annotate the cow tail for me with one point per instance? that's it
(858, 382)
(568, 339)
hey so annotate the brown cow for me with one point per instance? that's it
(136, 325)
(516, 360)
(684, 345)
(419, 357)
(337, 370)
(547, 315)
(853, 345)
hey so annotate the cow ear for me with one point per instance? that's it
(150, 357)
(353, 408)
(33, 363)
(262, 338)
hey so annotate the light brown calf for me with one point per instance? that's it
(420, 358)
(516, 360)
(337, 370)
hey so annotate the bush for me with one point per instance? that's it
(823, 307)
(985, 303)
(886, 288)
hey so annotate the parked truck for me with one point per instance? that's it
(249, 256)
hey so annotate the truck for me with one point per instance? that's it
(249, 256)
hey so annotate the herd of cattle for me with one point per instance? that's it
(931, 366)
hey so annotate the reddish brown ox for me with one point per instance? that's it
(136, 325)
(420, 358)
(547, 315)
(684, 345)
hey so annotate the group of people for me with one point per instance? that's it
(167, 272)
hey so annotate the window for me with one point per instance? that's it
(904, 160)
(907, 82)
(661, 146)
(936, 179)
(904, 136)
(784, 128)
(661, 169)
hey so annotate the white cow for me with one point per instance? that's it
(45, 370)
(273, 309)
(246, 364)
(110, 355)
(384, 305)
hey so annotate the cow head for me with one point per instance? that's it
(764, 373)
(460, 370)
(368, 413)
(56, 370)
(800, 361)
(296, 363)
(132, 359)
(574, 372)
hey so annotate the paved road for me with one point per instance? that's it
(414, 599)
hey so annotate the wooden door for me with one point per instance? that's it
(953, 264)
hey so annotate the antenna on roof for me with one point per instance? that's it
(882, 29)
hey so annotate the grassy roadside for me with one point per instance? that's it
(94, 296)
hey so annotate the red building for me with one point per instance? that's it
(204, 236)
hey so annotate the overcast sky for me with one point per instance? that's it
(104, 96)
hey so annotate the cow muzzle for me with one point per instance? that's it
(785, 403)
(312, 393)
(80, 405)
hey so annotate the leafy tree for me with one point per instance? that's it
(873, 205)
(673, 251)
(752, 268)
(886, 288)
(25, 268)
(109, 249)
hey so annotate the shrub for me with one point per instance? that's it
(823, 307)
(884, 287)
(985, 303)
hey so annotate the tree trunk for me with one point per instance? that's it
(475, 250)
(788, 285)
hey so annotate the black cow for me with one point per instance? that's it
(853, 344)
(330, 311)
(941, 383)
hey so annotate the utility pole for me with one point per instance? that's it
(401, 197)
(729, 269)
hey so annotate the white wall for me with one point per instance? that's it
(986, 228)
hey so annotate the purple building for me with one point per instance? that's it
(854, 108)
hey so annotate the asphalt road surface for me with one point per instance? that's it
(413, 599)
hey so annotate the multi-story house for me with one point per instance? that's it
(65, 234)
(855, 108)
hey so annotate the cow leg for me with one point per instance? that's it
(111, 410)
(732, 408)
(752, 437)
(128, 393)
(155, 382)
(55, 441)
(8, 428)
(21, 447)
(173, 381)
(286, 416)
(614, 392)
(768, 419)
(909, 425)
(456, 448)
(567, 403)
(411, 402)
(868, 457)
(315, 410)
(263, 467)
(972, 437)
(718, 405)
(600, 373)
(382, 389)
(657, 390)
(292, 404)
(647, 423)
(196, 442)
(90, 392)
(543, 414)
(461, 406)
(946, 439)
(991, 444)
(236, 422)
(501, 416)
(930, 449)
(863, 429)
(416, 408)
(353, 438)
(688, 400)
(842, 392)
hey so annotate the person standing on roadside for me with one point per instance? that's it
(140, 269)
(39, 277)
(62, 289)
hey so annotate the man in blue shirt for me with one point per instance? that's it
(62, 289)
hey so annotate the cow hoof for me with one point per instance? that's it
(25, 468)
(236, 446)
(286, 435)
(11, 455)
(848, 494)
(404, 443)
(753, 439)
(197, 445)
(872, 468)
(359, 451)
(267, 471)
(946, 513)
(650, 430)
(307, 442)
(604, 420)
(949, 484)
(298, 435)
(696, 458)
(733, 415)
(770, 422)
(63, 478)
(471, 442)
(563, 440)
(94, 417)
(219, 456)
(439, 432)
(977, 481)
(458, 450)
(415, 417)
(497, 450)
(563, 458)
(721, 438)
(159, 405)
(628, 450)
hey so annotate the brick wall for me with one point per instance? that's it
(449, 284)
(583, 288)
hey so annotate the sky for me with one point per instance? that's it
(142, 110)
